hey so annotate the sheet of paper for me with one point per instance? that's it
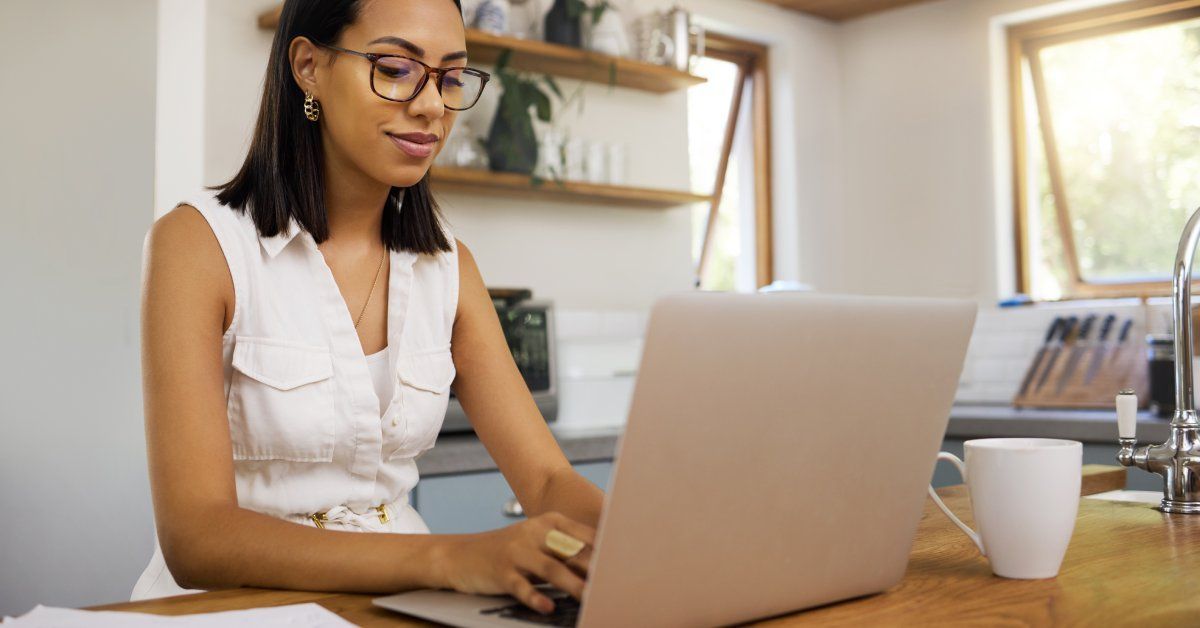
(1123, 495)
(293, 615)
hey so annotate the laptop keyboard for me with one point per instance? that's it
(565, 613)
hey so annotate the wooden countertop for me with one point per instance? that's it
(1127, 563)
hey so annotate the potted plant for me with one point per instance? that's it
(512, 145)
(563, 21)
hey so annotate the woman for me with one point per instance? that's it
(302, 326)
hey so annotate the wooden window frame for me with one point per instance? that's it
(751, 59)
(1024, 42)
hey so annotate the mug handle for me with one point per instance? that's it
(962, 469)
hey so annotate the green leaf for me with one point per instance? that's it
(502, 61)
(542, 102)
(524, 94)
(511, 101)
(549, 80)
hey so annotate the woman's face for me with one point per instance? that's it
(391, 142)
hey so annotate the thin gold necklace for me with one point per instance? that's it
(373, 282)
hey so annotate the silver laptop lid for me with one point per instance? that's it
(776, 455)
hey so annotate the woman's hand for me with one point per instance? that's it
(509, 561)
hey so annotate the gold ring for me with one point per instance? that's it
(564, 545)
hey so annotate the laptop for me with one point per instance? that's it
(775, 458)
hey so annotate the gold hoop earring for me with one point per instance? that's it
(312, 108)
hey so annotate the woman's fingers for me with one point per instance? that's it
(581, 562)
(520, 588)
(583, 532)
(553, 570)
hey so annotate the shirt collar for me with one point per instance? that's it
(274, 244)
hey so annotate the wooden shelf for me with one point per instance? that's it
(562, 61)
(565, 61)
(473, 181)
(842, 10)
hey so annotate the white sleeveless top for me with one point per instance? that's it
(312, 429)
(381, 378)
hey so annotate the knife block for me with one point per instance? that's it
(1123, 365)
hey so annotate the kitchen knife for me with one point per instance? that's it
(1041, 354)
(1125, 332)
(1121, 339)
(1101, 347)
(1117, 353)
(1064, 332)
(1078, 348)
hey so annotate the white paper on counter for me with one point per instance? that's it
(1126, 495)
(294, 615)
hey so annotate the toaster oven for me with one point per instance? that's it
(528, 327)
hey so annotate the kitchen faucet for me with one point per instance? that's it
(1178, 459)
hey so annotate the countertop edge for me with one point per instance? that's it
(1088, 426)
(464, 453)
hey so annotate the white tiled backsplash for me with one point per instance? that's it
(599, 352)
(1006, 339)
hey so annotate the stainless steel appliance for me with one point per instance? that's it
(528, 326)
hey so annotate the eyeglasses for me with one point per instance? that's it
(399, 79)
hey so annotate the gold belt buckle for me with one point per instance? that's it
(319, 518)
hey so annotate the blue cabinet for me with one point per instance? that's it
(474, 502)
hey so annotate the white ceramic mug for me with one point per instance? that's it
(1025, 497)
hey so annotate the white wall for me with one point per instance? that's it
(923, 145)
(916, 195)
(588, 256)
(77, 173)
(179, 125)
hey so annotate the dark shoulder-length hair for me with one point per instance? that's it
(282, 176)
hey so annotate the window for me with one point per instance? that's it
(1106, 138)
(729, 151)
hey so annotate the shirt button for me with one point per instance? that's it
(393, 422)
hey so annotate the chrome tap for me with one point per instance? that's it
(1178, 459)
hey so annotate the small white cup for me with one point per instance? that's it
(1025, 497)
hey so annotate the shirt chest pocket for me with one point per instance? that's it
(424, 391)
(281, 401)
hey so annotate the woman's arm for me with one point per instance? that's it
(573, 495)
(208, 541)
(503, 412)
